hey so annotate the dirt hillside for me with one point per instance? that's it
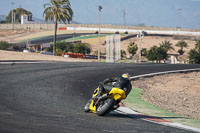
(179, 93)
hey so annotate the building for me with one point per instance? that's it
(24, 19)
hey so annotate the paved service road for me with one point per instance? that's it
(49, 98)
(49, 39)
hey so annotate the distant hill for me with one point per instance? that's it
(2, 17)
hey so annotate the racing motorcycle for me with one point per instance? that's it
(107, 102)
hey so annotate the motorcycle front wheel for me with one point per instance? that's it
(105, 106)
(87, 107)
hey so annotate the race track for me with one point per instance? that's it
(49, 98)
(49, 39)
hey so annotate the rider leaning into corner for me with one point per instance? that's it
(123, 82)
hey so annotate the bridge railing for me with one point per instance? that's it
(107, 26)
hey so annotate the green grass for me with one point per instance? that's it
(84, 37)
(88, 37)
(135, 102)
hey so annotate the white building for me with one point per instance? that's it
(24, 19)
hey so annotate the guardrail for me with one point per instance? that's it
(166, 72)
(110, 26)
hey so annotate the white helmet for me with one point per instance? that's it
(126, 76)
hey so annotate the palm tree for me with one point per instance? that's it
(57, 11)
(132, 48)
(197, 45)
(181, 44)
(167, 45)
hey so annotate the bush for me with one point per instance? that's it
(194, 54)
(132, 48)
(157, 54)
(69, 48)
(194, 57)
(59, 52)
(62, 47)
(123, 54)
(144, 52)
(4, 45)
(82, 48)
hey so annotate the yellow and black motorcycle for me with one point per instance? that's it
(105, 103)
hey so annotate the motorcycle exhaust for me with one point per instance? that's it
(101, 98)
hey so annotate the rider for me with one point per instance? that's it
(123, 82)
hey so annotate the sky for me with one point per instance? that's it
(163, 13)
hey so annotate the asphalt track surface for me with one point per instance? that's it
(49, 98)
(49, 39)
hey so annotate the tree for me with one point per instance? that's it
(157, 53)
(132, 48)
(4, 45)
(194, 54)
(123, 53)
(58, 11)
(197, 46)
(82, 48)
(18, 13)
(194, 57)
(167, 45)
(144, 52)
(181, 44)
(69, 48)
(2, 22)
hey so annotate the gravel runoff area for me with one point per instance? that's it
(178, 93)
(9, 55)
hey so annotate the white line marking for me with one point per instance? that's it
(6, 113)
(166, 72)
(127, 111)
(20, 62)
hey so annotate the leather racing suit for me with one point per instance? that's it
(118, 82)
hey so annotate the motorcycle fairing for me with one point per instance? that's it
(115, 93)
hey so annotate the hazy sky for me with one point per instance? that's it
(148, 12)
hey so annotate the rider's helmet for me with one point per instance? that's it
(126, 76)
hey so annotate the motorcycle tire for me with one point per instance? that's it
(87, 107)
(106, 107)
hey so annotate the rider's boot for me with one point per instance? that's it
(116, 107)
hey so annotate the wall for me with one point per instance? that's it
(104, 27)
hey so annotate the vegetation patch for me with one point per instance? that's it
(84, 37)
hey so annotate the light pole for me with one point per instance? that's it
(73, 32)
(180, 11)
(124, 16)
(99, 51)
(12, 3)
(140, 36)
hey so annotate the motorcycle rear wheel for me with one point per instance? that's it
(106, 107)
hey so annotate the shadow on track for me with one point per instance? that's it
(139, 116)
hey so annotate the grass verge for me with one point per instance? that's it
(135, 102)
(84, 37)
